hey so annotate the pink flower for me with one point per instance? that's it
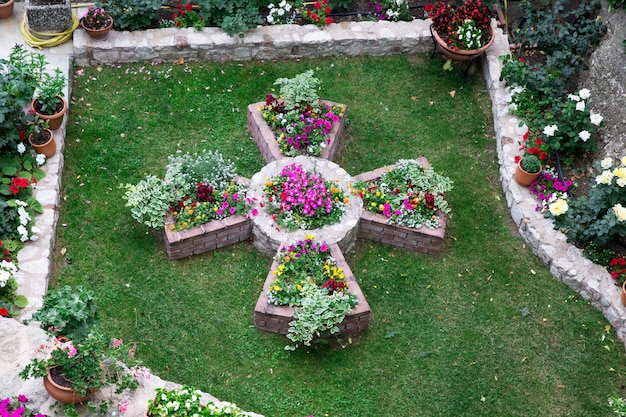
(71, 350)
(115, 343)
(123, 406)
(22, 398)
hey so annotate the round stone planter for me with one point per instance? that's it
(268, 237)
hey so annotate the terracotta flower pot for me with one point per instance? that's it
(59, 392)
(462, 54)
(623, 293)
(524, 178)
(54, 120)
(98, 34)
(48, 148)
(6, 9)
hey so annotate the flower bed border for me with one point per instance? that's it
(275, 319)
(266, 141)
(374, 226)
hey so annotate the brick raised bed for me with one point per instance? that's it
(275, 319)
(374, 226)
(265, 140)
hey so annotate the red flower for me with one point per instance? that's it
(539, 141)
(429, 8)
(188, 7)
(517, 158)
(327, 10)
(318, 5)
(178, 23)
(329, 20)
(543, 156)
(175, 16)
(618, 262)
(283, 196)
(534, 151)
(4, 312)
(22, 134)
(14, 189)
(521, 59)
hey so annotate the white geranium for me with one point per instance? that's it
(21, 148)
(573, 97)
(549, 130)
(606, 163)
(595, 119)
(620, 212)
(270, 18)
(35, 232)
(580, 106)
(23, 233)
(24, 216)
(584, 93)
(605, 178)
(7, 269)
(584, 135)
(40, 159)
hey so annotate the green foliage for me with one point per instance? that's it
(69, 313)
(318, 314)
(52, 85)
(531, 164)
(341, 4)
(299, 91)
(617, 404)
(234, 16)
(208, 167)
(186, 17)
(149, 201)
(177, 402)
(132, 14)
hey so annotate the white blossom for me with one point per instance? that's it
(21, 148)
(584, 93)
(620, 212)
(595, 119)
(549, 130)
(580, 106)
(573, 97)
(40, 159)
(23, 233)
(606, 163)
(584, 135)
(605, 178)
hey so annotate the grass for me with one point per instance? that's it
(482, 330)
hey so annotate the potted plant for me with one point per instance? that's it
(177, 402)
(50, 104)
(462, 33)
(73, 372)
(41, 137)
(97, 23)
(528, 170)
(617, 268)
(6, 8)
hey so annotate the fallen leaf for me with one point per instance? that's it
(181, 60)
(452, 93)
(431, 103)
(413, 98)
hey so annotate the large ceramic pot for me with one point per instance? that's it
(6, 9)
(524, 178)
(99, 34)
(47, 148)
(461, 54)
(55, 383)
(54, 120)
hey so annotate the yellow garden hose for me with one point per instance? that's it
(33, 38)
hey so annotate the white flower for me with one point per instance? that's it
(40, 159)
(270, 6)
(288, 7)
(595, 118)
(281, 12)
(573, 97)
(606, 163)
(282, 3)
(580, 106)
(558, 207)
(620, 173)
(620, 212)
(549, 130)
(23, 233)
(584, 135)
(513, 107)
(605, 178)
(270, 18)
(584, 93)
(623, 160)
(21, 148)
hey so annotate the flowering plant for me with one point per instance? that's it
(464, 27)
(408, 194)
(187, 17)
(305, 261)
(601, 216)
(88, 365)
(320, 13)
(548, 188)
(178, 402)
(533, 144)
(16, 407)
(300, 199)
(568, 125)
(298, 118)
(281, 13)
(96, 18)
(9, 299)
(617, 268)
(392, 10)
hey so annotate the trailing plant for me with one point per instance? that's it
(408, 194)
(16, 407)
(449, 22)
(68, 312)
(8, 290)
(177, 402)
(187, 17)
(548, 188)
(281, 13)
(601, 215)
(393, 10)
(318, 314)
(132, 14)
(96, 18)
(617, 269)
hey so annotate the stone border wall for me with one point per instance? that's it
(275, 319)
(266, 141)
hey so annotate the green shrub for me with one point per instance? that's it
(132, 14)
(299, 91)
(234, 16)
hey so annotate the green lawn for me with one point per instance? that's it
(483, 330)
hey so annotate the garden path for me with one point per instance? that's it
(18, 342)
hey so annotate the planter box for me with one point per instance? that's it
(49, 15)
(265, 140)
(375, 226)
(275, 319)
(207, 237)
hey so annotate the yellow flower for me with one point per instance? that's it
(281, 267)
(287, 258)
(345, 200)
(190, 212)
(373, 204)
(377, 193)
(298, 287)
(309, 236)
(558, 207)
(172, 227)
(620, 212)
(184, 225)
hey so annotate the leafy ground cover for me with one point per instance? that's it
(482, 330)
